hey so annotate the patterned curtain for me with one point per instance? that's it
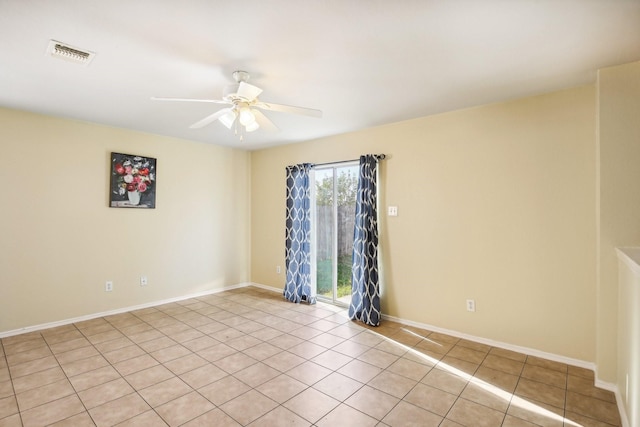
(298, 236)
(365, 284)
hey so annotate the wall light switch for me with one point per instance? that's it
(143, 281)
(392, 211)
(471, 305)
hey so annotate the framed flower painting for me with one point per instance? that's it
(133, 181)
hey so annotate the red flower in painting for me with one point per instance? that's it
(134, 175)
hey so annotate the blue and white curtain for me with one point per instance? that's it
(298, 235)
(365, 282)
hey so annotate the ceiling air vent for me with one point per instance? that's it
(69, 53)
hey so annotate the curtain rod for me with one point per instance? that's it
(377, 156)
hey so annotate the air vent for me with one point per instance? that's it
(69, 53)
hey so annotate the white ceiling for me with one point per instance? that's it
(362, 62)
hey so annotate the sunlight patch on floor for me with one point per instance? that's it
(508, 397)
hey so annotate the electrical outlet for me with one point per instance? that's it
(392, 211)
(471, 305)
(108, 286)
(278, 269)
(143, 281)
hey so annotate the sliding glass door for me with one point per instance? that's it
(334, 204)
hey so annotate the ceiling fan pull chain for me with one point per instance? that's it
(235, 130)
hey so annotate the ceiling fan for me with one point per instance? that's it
(243, 107)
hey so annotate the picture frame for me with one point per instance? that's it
(133, 181)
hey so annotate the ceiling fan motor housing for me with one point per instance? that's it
(230, 92)
(241, 76)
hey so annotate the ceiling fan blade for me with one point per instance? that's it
(214, 101)
(264, 121)
(289, 109)
(209, 119)
(248, 92)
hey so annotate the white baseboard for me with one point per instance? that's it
(265, 287)
(519, 349)
(50, 325)
(624, 419)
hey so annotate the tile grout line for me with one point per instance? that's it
(192, 389)
(66, 376)
(15, 395)
(310, 360)
(459, 396)
(145, 352)
(110, 364)
(228, 374)
(513, 394)
(162, 364)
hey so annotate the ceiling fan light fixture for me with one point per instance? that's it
(252, 126)
(246, 117)
(228, 119)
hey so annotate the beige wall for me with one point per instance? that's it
(619, 196)
(496, 203)
(60, 242)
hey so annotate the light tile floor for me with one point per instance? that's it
(247, 357)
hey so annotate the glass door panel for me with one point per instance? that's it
(324, 233)
(335, 197)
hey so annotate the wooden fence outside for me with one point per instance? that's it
(324, 226)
